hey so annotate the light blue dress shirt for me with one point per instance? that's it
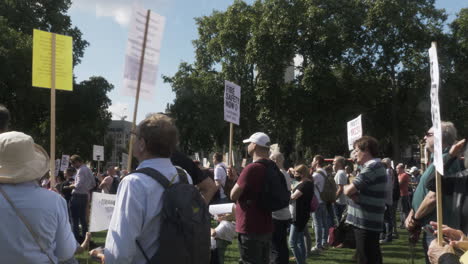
(46, 212)
(137, 214)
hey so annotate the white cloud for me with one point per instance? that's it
(119, 10)
(120, 110)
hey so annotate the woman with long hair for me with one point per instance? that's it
(300, 198)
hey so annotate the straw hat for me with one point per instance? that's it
(20, 159)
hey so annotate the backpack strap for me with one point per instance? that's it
(183, 177)
(156, 175)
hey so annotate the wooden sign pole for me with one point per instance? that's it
(140, 73)
(440, 235)
(52, 116)
(231, 135)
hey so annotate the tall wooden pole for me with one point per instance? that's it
(52, 115)
(140, 74)
(231, 136)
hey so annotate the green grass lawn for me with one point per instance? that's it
(397, 252)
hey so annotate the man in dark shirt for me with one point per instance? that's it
(253, 223)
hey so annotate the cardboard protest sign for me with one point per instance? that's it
(57, 167)
(435, 110)
(102, 207)
(64, 162)
(232, 94)
(354, 131)
(133, 56)
(98, 153)
(42, 60)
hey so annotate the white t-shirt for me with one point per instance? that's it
(341, 179)
(319, 182)
(220, 175)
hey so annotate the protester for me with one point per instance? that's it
(320, 215)
(414, 181)
(223, 234)
(279, 244)
(423, 204)
(300, 199)
(110, 182)
(137, 213)
(253, 223)
(403, 180)
(35, 226)
(367, 205)
(84, 183)
(220, 177)
(341, 180)
(455, 239)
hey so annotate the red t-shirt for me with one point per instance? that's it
(250, 219)
(404, 179)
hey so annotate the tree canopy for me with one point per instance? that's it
(82, 116)
(356, 57)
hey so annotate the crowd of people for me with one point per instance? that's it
(348, 202)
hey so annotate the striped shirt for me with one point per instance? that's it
(367, 212)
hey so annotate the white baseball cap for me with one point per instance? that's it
(259, 138)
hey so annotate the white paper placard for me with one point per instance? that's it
(435, 110)
(354, 131)
(217, 209)
(134, 49)
(98, 153)
(102, 207)
(64, 162)
(232, 94)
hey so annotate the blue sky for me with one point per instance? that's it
(104, 25)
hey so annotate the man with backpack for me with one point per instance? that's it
(256, 195)
(322, 192)
(144, 228)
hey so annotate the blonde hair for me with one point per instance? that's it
(302, 169)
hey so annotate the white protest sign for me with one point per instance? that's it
(205, 163)
(197, 156)
(354, 131)
(57, 167)
(435, 110)
(65, 162)
(124, 160)
(134, 50)
(232, 93)
(102, 207)
(98, 153)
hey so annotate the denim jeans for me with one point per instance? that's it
(321, 225)
(405, 208)
(78, 206)
(297, 244)
(279, 245)
(255, 248)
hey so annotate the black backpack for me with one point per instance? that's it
(274, 194)
(185, 222)
(115, 185)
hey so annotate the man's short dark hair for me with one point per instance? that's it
(218, 157)
(341, 160)
(320, 160)
(368, 143)
(71, 170)
(4, 117)
(160, 135)
(75, 158)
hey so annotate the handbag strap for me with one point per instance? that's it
(28, 226)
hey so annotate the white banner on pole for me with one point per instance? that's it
(232, 94)
(98, 153)
(152, 52)
(124, 160)
(57, 168)
(65, 162)
(102, 207)
(435, 110)
(354, 131)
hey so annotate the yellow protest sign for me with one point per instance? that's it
(42, 61)
(464, 258)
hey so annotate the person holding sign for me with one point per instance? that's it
(424, 200)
